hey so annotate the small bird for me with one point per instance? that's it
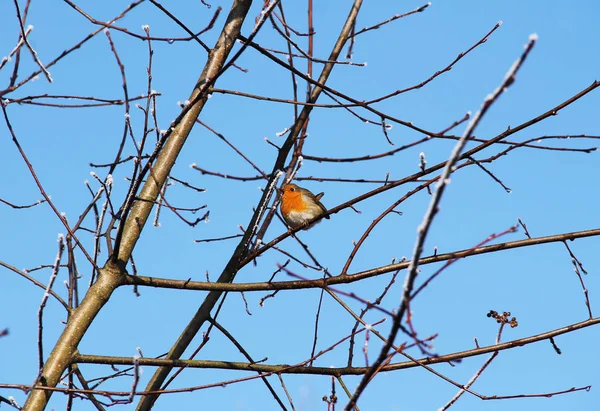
(298, 206)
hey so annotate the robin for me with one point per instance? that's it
(299, 206)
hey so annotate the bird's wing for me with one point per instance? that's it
(319, 197)
(324, 210)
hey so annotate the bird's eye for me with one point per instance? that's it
(292, 189)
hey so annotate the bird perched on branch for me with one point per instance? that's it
(299, 206)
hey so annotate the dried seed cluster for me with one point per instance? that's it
(503, 318)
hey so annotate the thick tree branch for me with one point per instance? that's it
(351, 278)
(111, 276)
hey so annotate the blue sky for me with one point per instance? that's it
(552, 192)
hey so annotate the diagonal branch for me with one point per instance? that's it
(241, 251)
(424, 227)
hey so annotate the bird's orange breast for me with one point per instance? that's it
(292, 202)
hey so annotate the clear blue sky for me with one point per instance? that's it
(552, 192)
